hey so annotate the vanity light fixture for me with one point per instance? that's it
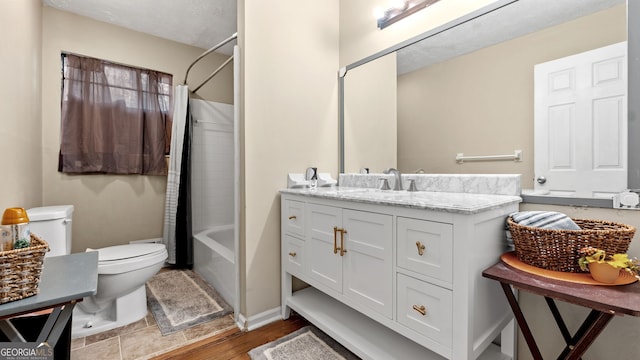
(401, 11)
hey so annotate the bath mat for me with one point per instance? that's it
(180, 299)
(307, 343)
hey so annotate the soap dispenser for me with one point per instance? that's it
(312, 176)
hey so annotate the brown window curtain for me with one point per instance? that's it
(116, 119)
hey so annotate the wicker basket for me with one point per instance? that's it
(20, 270)
(558, 249)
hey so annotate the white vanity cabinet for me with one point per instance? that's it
(351, 255)
(396, 282)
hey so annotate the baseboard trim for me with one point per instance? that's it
(258, 320)
(241, 322)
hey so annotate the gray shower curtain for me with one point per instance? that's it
(177, 235)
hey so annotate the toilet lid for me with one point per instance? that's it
(50, 212)
(128, 251)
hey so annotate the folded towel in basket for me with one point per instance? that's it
(544, 220)
(540, 219)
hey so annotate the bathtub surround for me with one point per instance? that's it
(180, 299)
(213, 186)
(212, 160)
(214, 259)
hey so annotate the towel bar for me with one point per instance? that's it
(516, 156)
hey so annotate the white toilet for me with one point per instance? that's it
(122, 272)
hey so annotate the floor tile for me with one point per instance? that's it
(148, 341)
(140, 324)
(77, 343)
(103, 350)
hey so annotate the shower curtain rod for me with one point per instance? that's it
(216, 47)
(214, 73)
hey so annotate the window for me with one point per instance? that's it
(115, 119)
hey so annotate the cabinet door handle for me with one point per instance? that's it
(292, 217)
(292, 254)
(342, 249)
(421, 309)
(335, 240)
(420, 247)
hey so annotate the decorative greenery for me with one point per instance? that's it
(21, 244)
(618, 261)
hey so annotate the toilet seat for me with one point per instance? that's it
(124, 258)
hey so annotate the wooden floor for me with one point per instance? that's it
(235, 344)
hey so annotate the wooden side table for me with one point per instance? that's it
(604, 302)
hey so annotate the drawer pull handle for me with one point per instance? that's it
(292, 254)
(421, 309)
(342, 249)
(420, 247)
(292, 217)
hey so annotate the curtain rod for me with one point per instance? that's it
(216, 47)
(214, 73)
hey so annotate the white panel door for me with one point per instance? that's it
(580, 128)
(324, 265)
(368, 261)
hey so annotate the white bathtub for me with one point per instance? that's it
(214, 259)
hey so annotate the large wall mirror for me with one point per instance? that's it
(468, 87)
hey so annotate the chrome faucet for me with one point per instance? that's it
(397, 185)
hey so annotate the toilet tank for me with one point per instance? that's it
(53, 225)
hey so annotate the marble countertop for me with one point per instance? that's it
(464, 203)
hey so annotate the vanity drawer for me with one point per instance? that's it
(294, 255)
(426, 309)
(293, 219)
(425, 247)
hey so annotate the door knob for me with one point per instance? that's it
(541, 180)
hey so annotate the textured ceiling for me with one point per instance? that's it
(205, 23)
(201, 23)
(509, 22)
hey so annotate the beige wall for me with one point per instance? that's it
(370, 116)
(111, 209)
(20, 112)
(290, 122)
(482, 103)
